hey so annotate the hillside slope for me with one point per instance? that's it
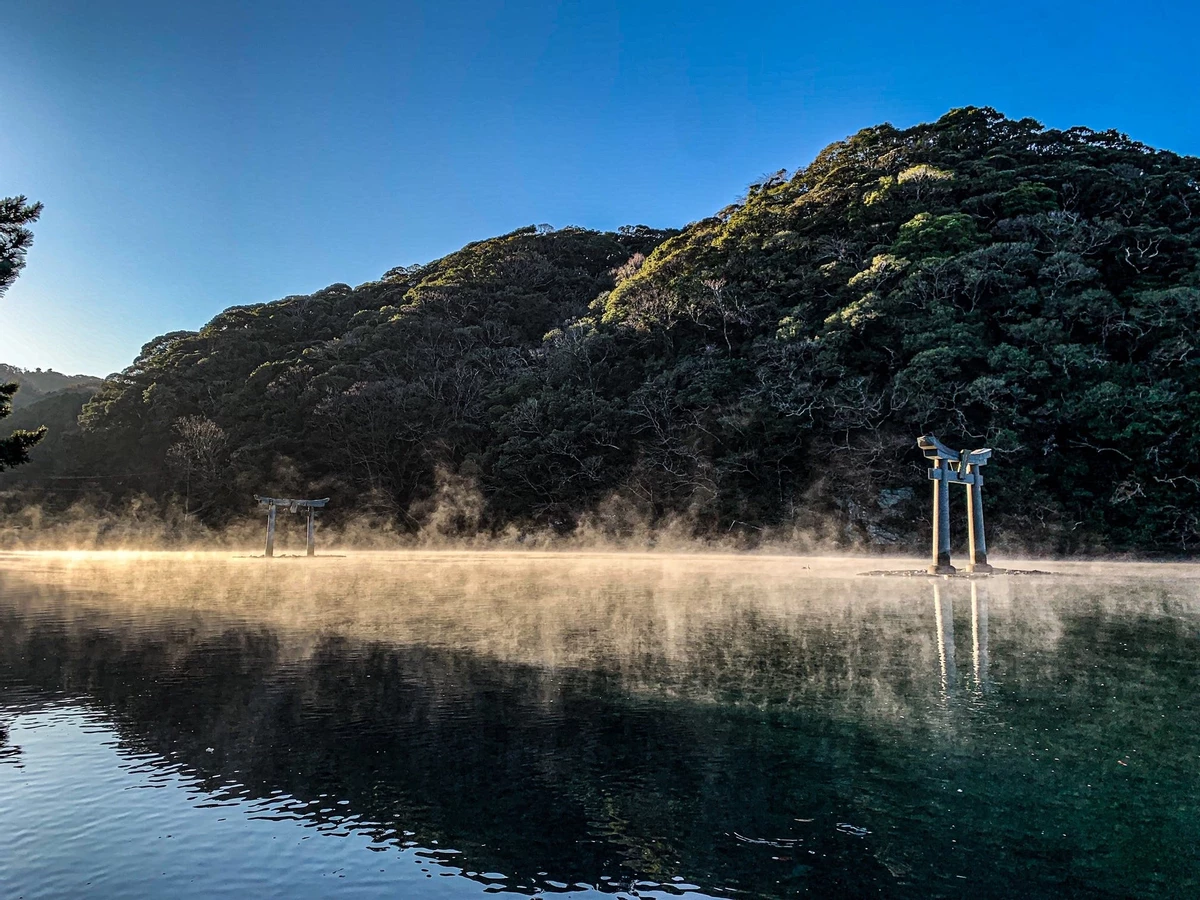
(998, 283)
(366, 393)
(765, 370)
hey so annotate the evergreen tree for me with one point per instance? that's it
(15, 214)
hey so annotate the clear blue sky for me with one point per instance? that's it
(194, 156)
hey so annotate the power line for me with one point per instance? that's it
(81, 477)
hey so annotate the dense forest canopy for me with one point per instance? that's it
(763, 371)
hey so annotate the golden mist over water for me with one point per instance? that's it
(763, 629)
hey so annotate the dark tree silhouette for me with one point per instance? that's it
(15, 214)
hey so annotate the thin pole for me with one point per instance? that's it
(312, 544)
(970, 520)
(975, 523)
(933, 565)
(979, 556)
(941, 521)
(271, 531)
(944, 523)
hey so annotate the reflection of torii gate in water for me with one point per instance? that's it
(273, 503)
(943, 612)
(960, 468)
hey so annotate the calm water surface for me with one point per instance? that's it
(453, 725)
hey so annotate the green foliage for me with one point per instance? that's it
(993, 281)
(1053, 323)
(14, 449)
(925, 235)
(57, 413)
(15, 238)
(364, 394)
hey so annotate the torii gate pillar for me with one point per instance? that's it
(975, 533)
(270, 530)
(940, 564)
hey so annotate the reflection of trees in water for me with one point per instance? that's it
(523, 770)
(9, 752)
(647, 754)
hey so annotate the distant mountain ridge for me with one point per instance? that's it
(37, 384)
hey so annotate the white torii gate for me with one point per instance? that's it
(273, 503)
(957, 467)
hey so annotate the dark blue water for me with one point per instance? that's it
(454, 726)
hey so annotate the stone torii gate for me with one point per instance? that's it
(273, 503)
(957, 467)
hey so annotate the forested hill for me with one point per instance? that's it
(36, 384)
(765, 370)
